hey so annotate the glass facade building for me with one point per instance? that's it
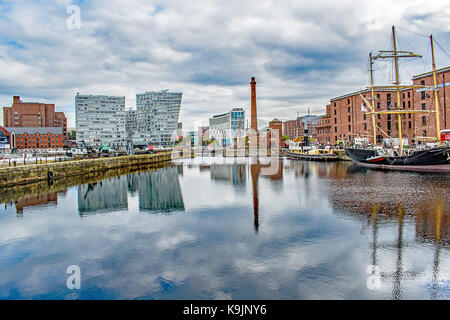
(157, 118)
(100, 120)
(223, 128)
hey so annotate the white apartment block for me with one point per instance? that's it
(131, 122)
(157, 118)
(100, 120)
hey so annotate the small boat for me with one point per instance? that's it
(313, 155)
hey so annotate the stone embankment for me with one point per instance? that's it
(20, 175)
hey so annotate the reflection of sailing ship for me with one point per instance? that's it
(399, 274)
(160, 190)
(109, 194)
(433, 226)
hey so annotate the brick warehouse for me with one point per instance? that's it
(348, 120)
(34, 137)
(34, 114)
(425, 124)
(324, 127)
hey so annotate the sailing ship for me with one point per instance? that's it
(435, 158)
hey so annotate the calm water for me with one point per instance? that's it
(216, 229)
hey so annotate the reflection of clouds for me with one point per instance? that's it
(210, 251)
(173, 240)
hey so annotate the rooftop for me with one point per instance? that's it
(34, 130)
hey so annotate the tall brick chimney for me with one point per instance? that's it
(254, 119)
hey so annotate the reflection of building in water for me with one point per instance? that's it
(235, 173)
(109, 194)
(133, 182)
(42, 199)
(160, 190)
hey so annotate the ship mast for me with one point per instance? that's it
(438, 129)
(396, 54)
(373, 101)
(397, 84)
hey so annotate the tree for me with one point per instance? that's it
(72, 135)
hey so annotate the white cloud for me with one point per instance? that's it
(302, 53)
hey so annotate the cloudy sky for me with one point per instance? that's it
(302, 53)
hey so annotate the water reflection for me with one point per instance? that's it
(103, 196)
(160, 190)
(310, 230)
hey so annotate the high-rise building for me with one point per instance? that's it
(100, 120)
(131, 121)
(34, 114)
(157, 118)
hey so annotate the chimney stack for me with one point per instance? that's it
(254, 119)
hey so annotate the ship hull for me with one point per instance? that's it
(430, 157)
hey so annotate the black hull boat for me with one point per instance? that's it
(435, 159)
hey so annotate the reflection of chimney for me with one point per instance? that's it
(255, 170)
(254, 120)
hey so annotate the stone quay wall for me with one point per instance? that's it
(20, 175)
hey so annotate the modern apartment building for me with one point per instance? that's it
(34, 114)
(131, 122)
(157, 118)
(225, 127)
(100, 120)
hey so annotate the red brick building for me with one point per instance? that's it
(348, 120)
(34, 138)
(323, 127)
(276, 125)
(425, 124)
(34, 114)
(297, 128)
(293, 128)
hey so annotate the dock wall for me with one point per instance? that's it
(20, 175)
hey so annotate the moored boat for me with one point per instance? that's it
(372, 157)
(434, 158)
(313, 155)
